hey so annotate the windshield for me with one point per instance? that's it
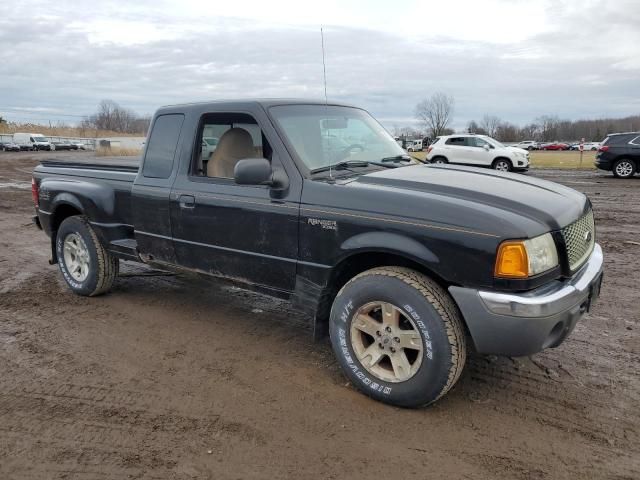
(494, 142)
(325, 135)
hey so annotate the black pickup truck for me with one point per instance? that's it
(405, 266)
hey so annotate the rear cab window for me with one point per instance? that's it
(163, 142)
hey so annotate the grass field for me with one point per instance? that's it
(543, 159)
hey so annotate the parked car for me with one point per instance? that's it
(477, 150)
(62, 145)
(9, 147)
(79, 146)
(527, 145)
(555, 146)
(31, 141)
(586, 147)
(620, 154)
(398, 264)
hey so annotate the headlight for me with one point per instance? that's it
(526, 258)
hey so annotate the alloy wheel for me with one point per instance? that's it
(76, 257)
(386, 341)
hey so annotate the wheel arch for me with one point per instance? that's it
(66, 207)
(398, 251)
(502, 157)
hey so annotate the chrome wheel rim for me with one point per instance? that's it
(624, 169)
(386, 342)
(76, 257)
(502, 166)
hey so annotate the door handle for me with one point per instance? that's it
(187, 201)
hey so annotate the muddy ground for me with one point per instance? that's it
(163, 378)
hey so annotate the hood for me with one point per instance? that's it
(506, 204)
(518, 149)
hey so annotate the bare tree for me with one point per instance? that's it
(530, 131)
(507, 132)
(548, 127)
(490, 124)
(473, 127)
(435, 113)
(111, 116)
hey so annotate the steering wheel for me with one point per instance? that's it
(354, 147)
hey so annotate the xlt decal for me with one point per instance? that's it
(325, 224)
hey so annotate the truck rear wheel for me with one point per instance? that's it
(86, 266)
(398, 336)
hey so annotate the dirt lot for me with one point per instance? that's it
(166, 379)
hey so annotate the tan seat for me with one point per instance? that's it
(235, 144)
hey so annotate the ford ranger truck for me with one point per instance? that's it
(404, 266)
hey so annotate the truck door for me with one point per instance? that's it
(242, 232)
(151, 190)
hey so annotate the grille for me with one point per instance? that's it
(579, 237)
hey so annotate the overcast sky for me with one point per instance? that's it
(514, 59)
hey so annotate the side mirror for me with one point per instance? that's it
(253, 171)
(486, 147)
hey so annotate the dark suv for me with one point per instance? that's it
(620, 153)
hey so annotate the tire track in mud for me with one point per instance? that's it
(110, 428)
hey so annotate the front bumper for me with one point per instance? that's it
(518, 324)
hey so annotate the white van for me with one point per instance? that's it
(31, 141)
(414, 146)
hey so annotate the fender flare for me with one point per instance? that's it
(389, 242)
(92, 199)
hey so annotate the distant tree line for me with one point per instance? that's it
(548, 128)
(113, 117)
(436, 112)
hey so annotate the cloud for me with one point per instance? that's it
(516, 60)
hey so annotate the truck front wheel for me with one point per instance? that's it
(86, 266)
(398, 336)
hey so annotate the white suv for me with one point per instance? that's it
(527, 145)
(477, 150)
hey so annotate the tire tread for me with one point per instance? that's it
(108, 265)
(443, 304)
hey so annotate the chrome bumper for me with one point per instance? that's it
(525, 323)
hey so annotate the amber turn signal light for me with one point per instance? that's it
(512, 260)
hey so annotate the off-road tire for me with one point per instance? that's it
(103, 267)
(439, 324)
(620, 172)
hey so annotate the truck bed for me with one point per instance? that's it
(100, 187)
(121, 164)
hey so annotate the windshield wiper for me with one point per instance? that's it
(396, 158)
(346, 165)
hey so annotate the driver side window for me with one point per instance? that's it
(477, 142)
(224, 139)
